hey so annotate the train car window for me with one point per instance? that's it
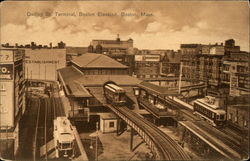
(222, 117)
(213, 115)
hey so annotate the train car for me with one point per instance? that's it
(63, 138)
(210, 111)
(114, 94)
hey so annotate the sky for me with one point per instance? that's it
(171, 22)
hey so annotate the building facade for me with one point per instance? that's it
(41, 64)
(236, 73)
(190, 61)
(105, 46)
(12, 99)
(147, 66)
(238, 113)
(170, 64)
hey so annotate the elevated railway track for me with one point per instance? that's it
(162, 146)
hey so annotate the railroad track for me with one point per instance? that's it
(182, 109)
(43, 128)
(168, 149)
(221, 134)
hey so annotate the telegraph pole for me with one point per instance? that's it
(96, 143)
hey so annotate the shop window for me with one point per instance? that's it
(112, 124)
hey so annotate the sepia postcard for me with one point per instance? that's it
(93, 80)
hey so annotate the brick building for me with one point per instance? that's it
(170, 64)
(12, 99)
(104, 46)
(236, 73)
(190, 61)
(121, 51)
(238, 113)
(210, 65)
(147, 66)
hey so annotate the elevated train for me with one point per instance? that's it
(115, 95)
(63, 138)
(209, 109)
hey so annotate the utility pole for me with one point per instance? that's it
(180, 76)
(96, 143)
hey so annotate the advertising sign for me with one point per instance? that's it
(6, 104)
(233, 85)
(6, 71)
(6, 56)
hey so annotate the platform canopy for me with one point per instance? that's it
(73, 88)
(158, 90)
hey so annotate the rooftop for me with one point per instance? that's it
(106, 116)
(159, 90)
(92, 60)
(99, 80)
(68, 75)
(190, 45)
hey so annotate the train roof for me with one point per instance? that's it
(64, 128)
(201, 103)
(115, 87)
(204, 100)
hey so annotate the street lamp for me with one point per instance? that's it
(96, 141)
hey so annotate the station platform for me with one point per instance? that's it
(159, 113)
(67, 109)
(214, 142)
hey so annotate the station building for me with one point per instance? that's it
(12, 99)
(83, 83)
(42, 64)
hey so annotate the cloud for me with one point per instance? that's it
(153, 27)
(172, 23)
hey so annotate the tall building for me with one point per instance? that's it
(190, 61)
(210, 65)
(170, 64)
(236, 73)
(12, 99)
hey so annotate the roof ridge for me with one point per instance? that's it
(93, 60)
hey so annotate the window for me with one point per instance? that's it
(111, 124)
(230, 116)
(245, 123)
(236, 119)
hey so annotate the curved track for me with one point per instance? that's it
(167, 148)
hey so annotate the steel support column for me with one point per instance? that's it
(131, 139)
